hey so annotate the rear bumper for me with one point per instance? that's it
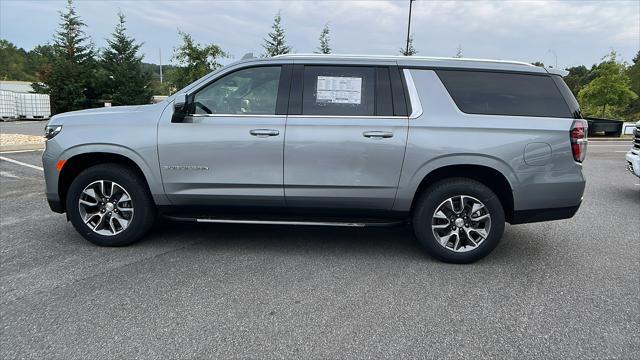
(538, 215)
(633, 163)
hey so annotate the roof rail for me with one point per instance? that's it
(555, 71)
(396, 57)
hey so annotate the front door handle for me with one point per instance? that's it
(264, 132)
(377, 134)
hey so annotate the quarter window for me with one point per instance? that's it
(252, 91)
(492, 93)
(339, 90)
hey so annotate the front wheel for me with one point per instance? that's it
(110, 205)
(458, 220)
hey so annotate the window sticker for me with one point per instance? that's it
(339, 90)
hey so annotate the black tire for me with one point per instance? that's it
(439, 192)
(141, 201)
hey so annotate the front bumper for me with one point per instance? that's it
(633, 163)
(50, 156)
(55, 205)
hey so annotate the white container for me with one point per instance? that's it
(627, 128)
(33, 106)
(8, 109)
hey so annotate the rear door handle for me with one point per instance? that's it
(264, 132)
(377, 134)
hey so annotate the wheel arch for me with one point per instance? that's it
(79, 161)
(489, 176)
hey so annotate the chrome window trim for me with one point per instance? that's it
(237, 115)
(298, 116)
(416, 105)
(348, 116)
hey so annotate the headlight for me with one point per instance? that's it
(52, 130)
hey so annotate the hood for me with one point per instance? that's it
(101, 114)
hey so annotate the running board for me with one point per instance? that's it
(288, 222)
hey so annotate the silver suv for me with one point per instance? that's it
(455, 147)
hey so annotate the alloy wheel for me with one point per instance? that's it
(106, 207)
(461, 223)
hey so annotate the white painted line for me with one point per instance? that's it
(591, 145)
(21, 163)
(19, 151)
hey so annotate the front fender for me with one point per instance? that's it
(149, 168)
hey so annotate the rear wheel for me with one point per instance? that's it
(458, 220)
(110, 205)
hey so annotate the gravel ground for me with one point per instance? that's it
(20, 139)
(564, 289)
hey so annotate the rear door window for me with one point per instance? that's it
(494, 93)
(339, 91)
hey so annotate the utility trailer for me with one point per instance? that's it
(607, 126)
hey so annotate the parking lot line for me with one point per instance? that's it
(19, 151)
(21, 163)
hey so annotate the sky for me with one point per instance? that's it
(567, 32)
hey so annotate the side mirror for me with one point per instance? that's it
(180, 107)
(180, 103)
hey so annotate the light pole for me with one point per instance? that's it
(409, 25)
(555, 56)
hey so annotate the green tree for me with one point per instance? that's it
(409, 50)
(632, 113)
(608, 94)
(195, 61)
(13, 62)
(67, 77)
(578, 77)
(275, 43)
(126, 82)
(538, 63)
(324, 47)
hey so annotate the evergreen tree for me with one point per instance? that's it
(126, 82)
(67, 76)
(324, 41)
(195, 61)
(409, 50)
(275, 44)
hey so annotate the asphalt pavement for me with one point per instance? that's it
(29, 127)
(564, 289)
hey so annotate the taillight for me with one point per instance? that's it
(579, 140)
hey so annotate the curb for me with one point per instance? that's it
(21, 147)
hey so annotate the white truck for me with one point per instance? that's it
(633, 156)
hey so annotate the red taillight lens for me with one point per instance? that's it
(579, 140)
